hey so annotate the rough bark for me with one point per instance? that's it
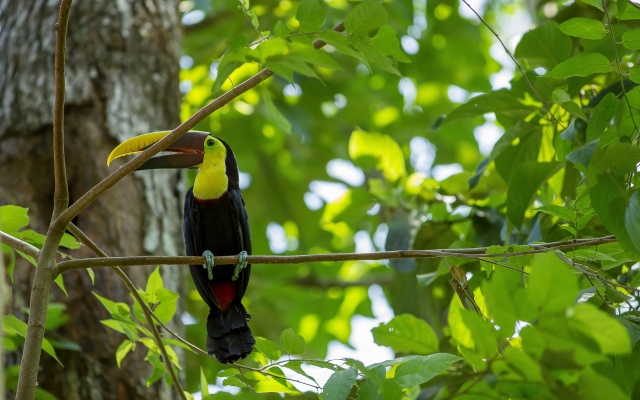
(122, 80)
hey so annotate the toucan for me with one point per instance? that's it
(215, 222)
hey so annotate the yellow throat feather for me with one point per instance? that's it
(211, 181)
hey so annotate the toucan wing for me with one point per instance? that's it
(243, 235)
(193, 244)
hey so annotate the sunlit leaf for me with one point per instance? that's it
(267, 348)
(583, 64)
(310, 14)
(365, 17)
(406, 334)
(586, 28)
(291, 342)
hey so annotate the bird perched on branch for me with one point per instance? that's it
(215, 222)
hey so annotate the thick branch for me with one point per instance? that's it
(19, 245)
(148, 314)
(476, 253)
(93, 193)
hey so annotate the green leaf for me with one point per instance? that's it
(582, 155)
(421, 370)
(523, 185)
(558, 211)
(277, 118)
(291, 342)
(583, 64)
(125, 347)
(154, 282)
(341, 44)
(310, 14)
(632, 220)
(204, 385)
(339, 384)
(544, 46)
(232, 60)
(168, 303)
(378, 149)
(406, 334)
(366, 17)
(631, 39)
(70, 242)
(11, 323)
(601, 116)
(267, 348)
(610, 335)
(595, 3)
(586, 28)
(634, 73)
(281, 29)
(13, 218)
(387, 43)
(552, 284)
(500, 101)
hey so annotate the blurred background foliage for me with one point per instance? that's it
(369, 162)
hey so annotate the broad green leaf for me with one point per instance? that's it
(558, 211)
(631, 39)
(277, 118)
(552, 284)
(366, 17)
(341, 44)
(231, 60)
(373, 56)
(272, 385)
(610, 335)
(634, 73)
(313, 56)
(296, 366)
(406, 334)
(339, 384)
(595, 3)
(70, 242)
(500, 101)
(583, 64)
(545, 46)
(11, 323)
(387, 43)
(632, 220)
(126, 328)
(421, 370)
(601, 116)
(291, 342)
(379, 150)
(593, 386)
(506, 300)
(281, 29)
(154, 282)
(125, 347)
(204, 385)
(523, 185)
(310, 14)
(167, 304)
(586, 28)
(267, 348)
(13, 218)
(582, 155)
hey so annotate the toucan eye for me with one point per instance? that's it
(210, 142)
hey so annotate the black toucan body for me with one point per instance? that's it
(215, 223)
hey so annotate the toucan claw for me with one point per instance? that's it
(209, 263)
(242, 258)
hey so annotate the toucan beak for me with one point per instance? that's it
(189, 149)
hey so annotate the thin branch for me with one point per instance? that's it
(311, 258)
(84, 239)
(535, 92)
(65, 218)
(44, 276)
(19, 245)
(61, 191)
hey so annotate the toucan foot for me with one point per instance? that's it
(242, 257)
(209, 263)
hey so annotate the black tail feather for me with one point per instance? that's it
(228, 335)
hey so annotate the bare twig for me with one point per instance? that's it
(310, 258)
(19, 245)
(93, 193)
(149, 315)
(535, 92)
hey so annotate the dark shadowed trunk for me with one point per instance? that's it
(122, 80)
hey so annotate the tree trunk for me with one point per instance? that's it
(122, 80)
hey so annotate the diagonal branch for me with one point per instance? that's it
(19, 245)
(65, 218)
(478, 253)
(148, 314)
